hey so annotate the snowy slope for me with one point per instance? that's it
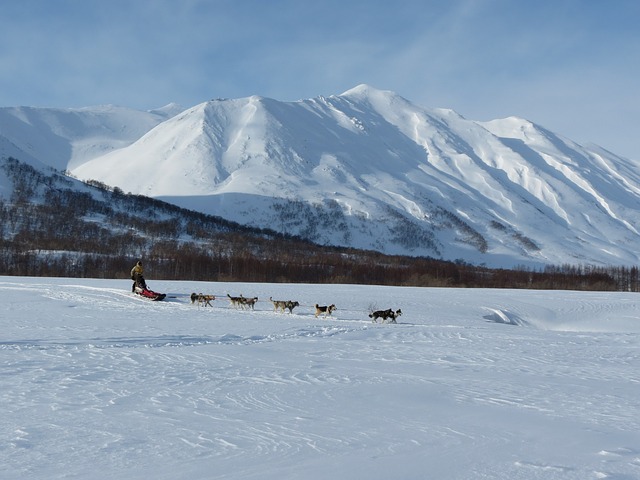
(470, 384)
(369, 169)
(62, 138)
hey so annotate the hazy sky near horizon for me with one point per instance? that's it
(570, 65)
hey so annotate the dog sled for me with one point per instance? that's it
(147, 293)
(140, 287)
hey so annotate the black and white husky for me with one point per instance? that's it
(385, 315)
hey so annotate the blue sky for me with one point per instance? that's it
(570, 65)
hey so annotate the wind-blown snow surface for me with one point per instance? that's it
(470, 384)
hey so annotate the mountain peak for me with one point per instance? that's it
(362, 89)
(170, 110)
(365, 169)
(366, 91)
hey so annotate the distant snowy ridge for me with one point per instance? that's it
(366, 168)
(62, 138)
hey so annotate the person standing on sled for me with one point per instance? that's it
(140, 286)
(137, 277)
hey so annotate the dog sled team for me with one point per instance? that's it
(140, 287)
(278, 305)
(383, 316)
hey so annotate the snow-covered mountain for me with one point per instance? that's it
(366, 168)
(64, 138)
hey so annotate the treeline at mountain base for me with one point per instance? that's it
(164, 262)
(53, 225)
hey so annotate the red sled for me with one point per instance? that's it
(150, 294)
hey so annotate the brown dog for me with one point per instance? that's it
(202, 299)
(248, 302)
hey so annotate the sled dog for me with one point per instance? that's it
(325, 310)
(202, 299)
(385, 315)
(248, 302)
(236, 301)
(284, 304)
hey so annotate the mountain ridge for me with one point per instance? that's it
(369, 169)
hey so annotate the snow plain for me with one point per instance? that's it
(470, 384)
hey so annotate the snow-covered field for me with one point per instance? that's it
(470, 384)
